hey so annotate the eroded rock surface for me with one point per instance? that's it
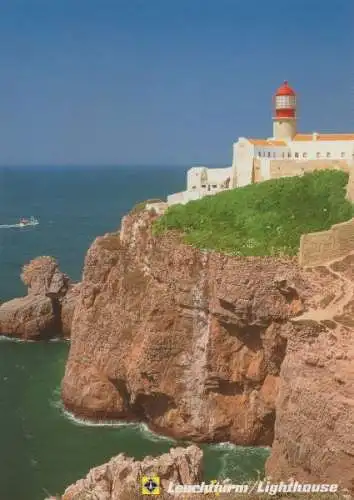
(190, 342)
(193, 343)
(314, 431)
(47, 310)
(120, 478)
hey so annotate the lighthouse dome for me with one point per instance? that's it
(285, 89)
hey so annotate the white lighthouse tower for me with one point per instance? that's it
(284, 118)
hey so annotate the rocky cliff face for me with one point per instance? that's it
(314, 431)
(188, 341)
(47, 309)
(121, 477)
(211, 347)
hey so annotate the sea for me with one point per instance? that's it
(43, 448)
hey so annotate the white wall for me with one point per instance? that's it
(211, 178)
(265, 168)
(284, 128)
(335, 148)
(243, 162)
(196, 176)
(217, 176)
(184, 197)
(275, 152)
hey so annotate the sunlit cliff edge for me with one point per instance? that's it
(210, 347)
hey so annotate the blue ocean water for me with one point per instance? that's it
(43, 450)
(74, 205)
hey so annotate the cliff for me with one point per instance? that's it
(188, 341)
(212, 347)
(48, 307)
(314, 429)
(121, 477)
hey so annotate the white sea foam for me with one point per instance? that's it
(80, 421)
(4, 338)
(232, 447)
(15, 226)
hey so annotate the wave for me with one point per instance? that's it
(83, 422)
(4, 338)
(247, 449)
(17, 226)
(138, 426)
(9, 226)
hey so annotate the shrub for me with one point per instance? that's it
(262, 219)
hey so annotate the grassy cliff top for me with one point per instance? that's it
(262, 219)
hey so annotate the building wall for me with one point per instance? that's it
(184, 197)
(196, 177)
(261, 169)
(289, 168)
(323, 247)
(242, 163)
(336, 149)
(350, 185)
(210, 179)
(276, 152)
(308, 150)
(284, 129)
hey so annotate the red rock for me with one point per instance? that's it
(179, 338)
(121, 477)
(209, 347)
(48, 308)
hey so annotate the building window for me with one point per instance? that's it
(269, 154)
(342, 155)
(296, 155)
(259, 153)
(214, 186)
(318, 155)
(283, 155)
(328, 155)
(304, 155)
(203, 185)
(194, 187)
(289, 155)
(274, 155)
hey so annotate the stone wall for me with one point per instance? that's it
(350, 186)
(257, 176)
(291, 167)
(322, 247)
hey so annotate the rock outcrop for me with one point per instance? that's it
(314, 430)
(48, 308)
(121, 477)
(188, 341)
(211, 347)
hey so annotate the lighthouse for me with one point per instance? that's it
(284, 118)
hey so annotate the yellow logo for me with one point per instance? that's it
(214, 481)
(150, 485)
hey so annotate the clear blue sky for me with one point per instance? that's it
(165, 81)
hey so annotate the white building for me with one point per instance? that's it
(286, 154)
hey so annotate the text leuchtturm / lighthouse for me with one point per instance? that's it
(287, 153)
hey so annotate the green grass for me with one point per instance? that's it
(262, 219)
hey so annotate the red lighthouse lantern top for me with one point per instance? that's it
(285, 90)
(285, 102)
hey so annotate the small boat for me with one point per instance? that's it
(32, 221)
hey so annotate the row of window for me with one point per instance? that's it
(213, 186)
(297, 155)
